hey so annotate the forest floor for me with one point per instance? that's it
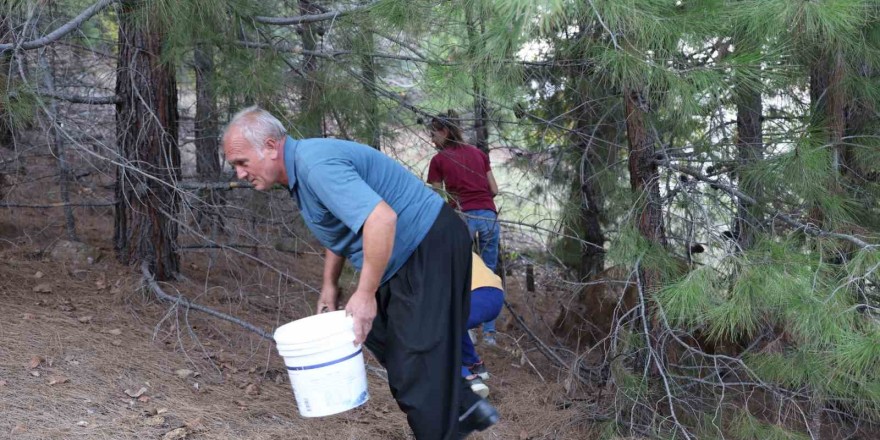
(87, 352)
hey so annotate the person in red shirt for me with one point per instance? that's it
(463, 171)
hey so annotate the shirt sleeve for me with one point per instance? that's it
(434, 173)
(343, 192)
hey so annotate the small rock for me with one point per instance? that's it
(116, 342)
(136, 394)
(38, 275)
(35, 373)
(74, 252)
(115, 332)
(28, 317)
(85, 319)
(177, 434)
(2, 383)
(144, 399)
(183, 373)
(55, 380)
(43, 288)
(155, 421)
(252, 389)
(82, 423)
(18, 429)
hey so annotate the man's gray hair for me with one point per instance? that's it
(257, 125)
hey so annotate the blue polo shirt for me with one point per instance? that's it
(337, 184)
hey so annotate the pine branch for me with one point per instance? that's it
(65, 29)
(312, 18)
(808, 229)
(76, 99)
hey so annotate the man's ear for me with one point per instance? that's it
(272, 148)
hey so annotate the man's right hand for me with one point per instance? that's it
(329, 299)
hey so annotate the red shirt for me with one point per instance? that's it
(463, 169)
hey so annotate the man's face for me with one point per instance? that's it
(262, 169)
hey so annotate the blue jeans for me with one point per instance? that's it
(486, 304)
(483, 225)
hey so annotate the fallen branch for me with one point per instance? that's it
(181, 301)
(55, 205)
(215, 185)
(542, 347)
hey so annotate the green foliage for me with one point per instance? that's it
(748, 427)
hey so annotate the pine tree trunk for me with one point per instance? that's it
(310, 94)
(206, 125)
(5, 123)
(750, 150)
(481, 116)
(146, 132)
(589, 131)
(58, 150)
(643, 174)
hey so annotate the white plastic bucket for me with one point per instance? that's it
(326, 369)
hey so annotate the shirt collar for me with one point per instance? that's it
(290, 145)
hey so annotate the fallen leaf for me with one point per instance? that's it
(115, 332)
(82, 423)
(35, 373)
(85, 319)
(183, 373)
(101, 284)
(252, 370)
(252, 389)
(35, 362)
(55, 380)
(2, 383)
(138, 393)
(38, 275)
(155, 421)
(144, 399)
(177, 434)
(18, 429)
(523, 435)
(28, 317)
(240, 403)
(161, 410)
(43, 288)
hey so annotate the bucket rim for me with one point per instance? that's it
(303, 330)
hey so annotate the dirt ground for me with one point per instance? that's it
(87, 352)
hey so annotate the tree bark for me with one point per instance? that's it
(481, 127)
(58, 150)
(5, 123)
(206, 125)
(750, 150)
(643, 174)
(146, 131)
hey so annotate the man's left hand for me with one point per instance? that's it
(362, 307)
